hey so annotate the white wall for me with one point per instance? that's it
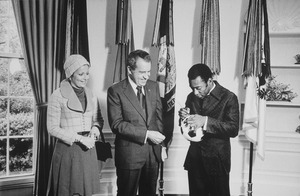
(101, 26)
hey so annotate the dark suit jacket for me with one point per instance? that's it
(222, 109)
(130, 124)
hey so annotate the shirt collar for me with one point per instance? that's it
(133, 85)
(214, 85)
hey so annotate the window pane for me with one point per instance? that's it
(9, 39)
(3, 126)
(4, 62)
(3, 107)
(21, 105)
(3, 157)
(20, 152)
(21, 117)
(19, 80)
(3, 117)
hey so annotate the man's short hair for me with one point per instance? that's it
(201, 70)
(134, 55)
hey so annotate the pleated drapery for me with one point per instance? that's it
(77, 30)
(124, 38)
(49, 31)
(42, 28)
(256, 57)
(210, 35)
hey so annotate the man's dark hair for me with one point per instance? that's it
(201, 70)
(134, 55)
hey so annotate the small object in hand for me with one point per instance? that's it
(187, 110)
(192, 132)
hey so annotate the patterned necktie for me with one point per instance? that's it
(140, 96)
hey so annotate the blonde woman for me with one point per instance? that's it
(74, 118)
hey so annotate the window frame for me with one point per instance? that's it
(17, 182)
(22, 180)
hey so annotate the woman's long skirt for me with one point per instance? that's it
(74, 171)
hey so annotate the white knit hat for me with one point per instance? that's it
(74, 62)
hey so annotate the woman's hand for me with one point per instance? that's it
(88, 142)
(94, 133)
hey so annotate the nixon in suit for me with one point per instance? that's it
(216, 110)
(138, 127)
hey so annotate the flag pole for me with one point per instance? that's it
(250, 170)
(161, 180)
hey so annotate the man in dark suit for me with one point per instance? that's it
(216, 110)
(138, 127)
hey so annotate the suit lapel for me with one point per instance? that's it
(68, 93)
(132, 98)
(210, 101)
(148, 103)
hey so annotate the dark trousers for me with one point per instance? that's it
(203, 184)
(144, 179)
(212, 186)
